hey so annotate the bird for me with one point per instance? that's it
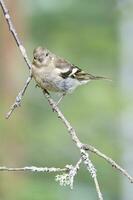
(55, 74)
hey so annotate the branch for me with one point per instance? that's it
(68, 178)
(17, 102)
(35, 169)
(100, 197)
(109, 160)
(84, 155)
(85, 146)
(14, 33)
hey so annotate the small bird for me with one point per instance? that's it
(53, 73)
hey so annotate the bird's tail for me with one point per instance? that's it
(82, 76)
(100, 78)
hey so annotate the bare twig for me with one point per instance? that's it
(17, 102)
(14, 33)
(60, 115)
(35, 169)
(81, 145)
(98, 188)
(68, 178)
(24, 54)
(84, 155)
(90, 167)
(109, 160)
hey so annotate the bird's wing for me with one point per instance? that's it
(62, 64)
(65, 68)
(69, 70)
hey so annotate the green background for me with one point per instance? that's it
(86, 33)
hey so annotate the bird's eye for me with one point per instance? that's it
(47, 54)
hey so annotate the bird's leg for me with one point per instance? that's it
(60, 99)
(56, 103)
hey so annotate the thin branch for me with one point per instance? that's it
(90, 167)
(18, 100)
(34, 169)
(98, 188)
(77, 166)
(14, 33)
(74, 171)
(60, 115)
(68, 178)
(109, 160)
(84, 146)
(84, 155)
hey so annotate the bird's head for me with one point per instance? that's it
(41, 56)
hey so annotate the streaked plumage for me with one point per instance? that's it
(53, 73)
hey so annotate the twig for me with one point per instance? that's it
(90, 167)
(73, 172)
(17, 102)
(24, 54)
(81, 145)
(98, 188)
(109, 160)
(84, 155)
(14, 33)
(34, 169)
(68, 178)
(60, 115)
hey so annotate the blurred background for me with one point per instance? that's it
(94, 35)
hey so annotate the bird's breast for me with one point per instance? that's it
(46, 78)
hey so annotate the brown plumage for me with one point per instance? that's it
(56, 74)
